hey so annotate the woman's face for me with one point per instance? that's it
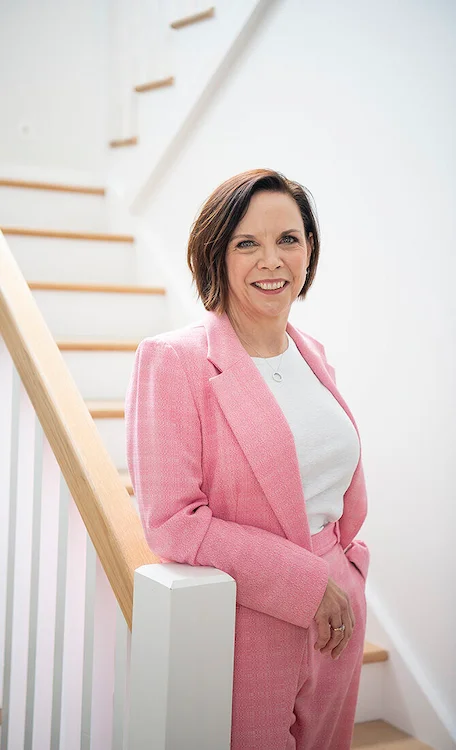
(268, 245)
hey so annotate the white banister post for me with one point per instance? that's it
(182, 652)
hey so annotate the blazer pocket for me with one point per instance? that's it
(358, 554)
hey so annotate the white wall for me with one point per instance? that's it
(52, 87)
(356, 101)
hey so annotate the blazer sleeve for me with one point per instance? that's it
(164, 455)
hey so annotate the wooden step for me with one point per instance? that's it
(60, 235)
(152, 85)
(125, 477)
(97, 346)
(106, 409)
(374, 654)
(194, 18)
(378, 735)
(108, 288)
(30, 185)
(120, 142)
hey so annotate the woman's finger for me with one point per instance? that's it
(324, 633)
(336, 652)
(337, 636)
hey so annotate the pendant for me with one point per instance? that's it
(277, 377)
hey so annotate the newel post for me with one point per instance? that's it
(181, 658)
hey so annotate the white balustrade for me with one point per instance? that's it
(71, 675)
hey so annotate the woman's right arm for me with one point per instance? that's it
(164, 450)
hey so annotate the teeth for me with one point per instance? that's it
(275, 285)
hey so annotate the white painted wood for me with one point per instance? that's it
(182, 636)
(112, 432)
(19, 563)
(34, 585)
(122, 683)
(45, 209)
(370, 697)
(71, 706)
(100, 375)
(102, 315)
(6, 396)
(90, 584)
(60, 607)
(74, 261)
(104, 648)
(45, 674)
(13, 443)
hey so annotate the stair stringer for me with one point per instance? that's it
(410, 700)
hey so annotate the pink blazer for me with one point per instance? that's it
(215, 472)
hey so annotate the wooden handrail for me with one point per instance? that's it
(89, 472)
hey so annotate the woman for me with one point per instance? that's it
(245, 457)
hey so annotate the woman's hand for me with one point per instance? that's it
(335, 609)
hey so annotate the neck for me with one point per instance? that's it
(264, 338)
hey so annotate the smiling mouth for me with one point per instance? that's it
(270, 286)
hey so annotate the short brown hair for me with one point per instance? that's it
(219, 217)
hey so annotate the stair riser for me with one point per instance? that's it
(77, 261)
(370, 698)
(102, 315)
(46, 209)
(112, 433)
(101, 375)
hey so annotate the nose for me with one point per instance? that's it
(270, 257)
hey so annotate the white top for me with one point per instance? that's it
(327, 444)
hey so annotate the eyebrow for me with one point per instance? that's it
(252, 236)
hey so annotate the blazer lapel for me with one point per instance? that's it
(259, 426)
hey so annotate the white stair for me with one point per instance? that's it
(102, 314)
(74, 260)
(100, 374)
(51, 207)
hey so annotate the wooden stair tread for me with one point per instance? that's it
(32, 185)
(57, 286)
(373, 653)
(91, 345)
(125, 477)
(62, 235)
(380, 735)
(152, 85)
(119, 142)
(194, 18)
(106, 409)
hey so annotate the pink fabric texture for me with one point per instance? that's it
(215, 472)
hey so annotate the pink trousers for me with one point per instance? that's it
(287, 695)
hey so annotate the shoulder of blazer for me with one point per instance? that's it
(190, 338)
(186, 347)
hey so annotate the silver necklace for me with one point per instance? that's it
(276, 375)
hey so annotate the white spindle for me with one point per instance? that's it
(73, 653)
(90, 584)
(104, 643)
(122, 683)
(60, 606)
(19, 562)
(6, 393)
(34, 585)
(47, 588)
(10, 560)
(182, 636)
